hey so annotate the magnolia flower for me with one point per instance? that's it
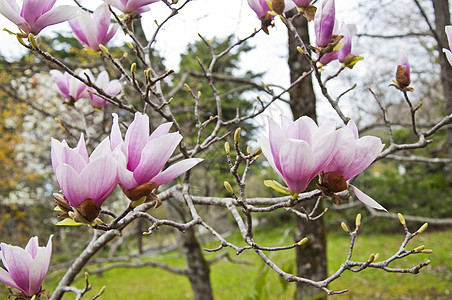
(35, 15)
(93, 31)
(448, 30)
(403, 79)
(130, 6)
(69, 87)
(353, 156)
(86, 181)
(298, 151)
(143, 156)
(344, 33)
(112, 88)
(25, 268)
(261, 8)
(324, 23)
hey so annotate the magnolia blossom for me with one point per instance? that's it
(143, 156)
(93, 31)
(448, 30)
(112, 88)
(25, 268)
(130, 6)
(324, 23)
(35, 15)
(403, 71)
(69, 87)
(261, 8)
(353, 156)
(344, 53)
(86, 181)
(298, 151)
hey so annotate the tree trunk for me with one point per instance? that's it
(311, 257)
(442, 18)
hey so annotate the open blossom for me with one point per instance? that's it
(353, 156)
(130, 6)
(94, 30)
(324, 23)
(345, 32)
(403, 71)
(35, 15)
(298, 151)
(448, 30)
(112, 88)
(69, 87)
(86, 181)
(143, 156)
(25, 268)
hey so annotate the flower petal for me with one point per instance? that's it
(115, 134)
(17, 261)
(161, 130)
(176, 170)
(266, 149)
(39, 267)
(276, 138)
(367, 150)
(74, 189)
(124, 175)
(366, 199)
(56, 15)
(136, 138)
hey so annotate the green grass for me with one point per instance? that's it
(255, 281)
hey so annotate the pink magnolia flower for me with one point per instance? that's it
(143, 156)
(403, 78)
(298, 151)
(448, 30)
(25, 268)
(112, 88)
(35, 15)
(86, 181)
(302, 3)
(324, 23)
(69, 87)
(94, 30)
(344, 54)
(353, 156)
(130, 6)
(261, 8)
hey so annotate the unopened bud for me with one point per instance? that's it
(427, 251)
(227, 148)
(258, 151)
(102, 290)
(21, 41)
(33, 298)
(86, 275)
(148, 73)
(401, 219)
(228, 187)
(187, 87)
(199, 94)
(32, 40)
(371, 258)
(129, 44)
(427, 262)
(256, 158)
(376, 256)
(302, 241)
(104, 49)
(237, 135)
(419, 248)
(133, 67)
(299, 49)
(422, 228)
(358, 220)
(248, 150)
(344, 226)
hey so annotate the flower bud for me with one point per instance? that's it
(104, 49)
(344, 227)
(302, 241)
(228, 187)
(133, 67)
(403, 71)
(227, 148)
(358, 220)
(419, 248)
(401, 219)
(371, 258)
(237, 135)
(422, 228)
(427, 251)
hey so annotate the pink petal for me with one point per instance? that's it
(32, 246)
(260, 7)
(161, 130)
(18, 262)
(56, 15)
(116, 3)
(367, 150)
(74, 159)
(448, 30)
(155, 155)
(62, 82)
(113, 88)
(366, 199)
(39, 267)
(56, 152)
(124, 175)
(266, 149)
(81, 148)
(176, 170)
(448, 55)
(6, 279)
(297, 164)
(136, 138)
(10, 10)
(74, 189)
(345, 153)
(102, 149)
(276, 138)
(324, 151)
(301, 129)
(100, 176)
(115, 134)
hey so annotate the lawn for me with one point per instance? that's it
(255, 281)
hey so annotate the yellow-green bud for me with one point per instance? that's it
(133, 67)
(86, 275)
(371, 258)
(102, 290)
(401, 219)
(419, 248)
(104, 49)
(427, 251)
(33, 298)
(358, 220)
(187, 87)
(248, 150)
(377, 256)
(199, 94)
(422, 228)
(258, 151)
(344, 226)
(237, 135)
(256, 158)
(21, 41)
(148, 73)
(428, 262)
(227, 147)
(129, 44)
(302, 241)
(32, 40)
(228, 187)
